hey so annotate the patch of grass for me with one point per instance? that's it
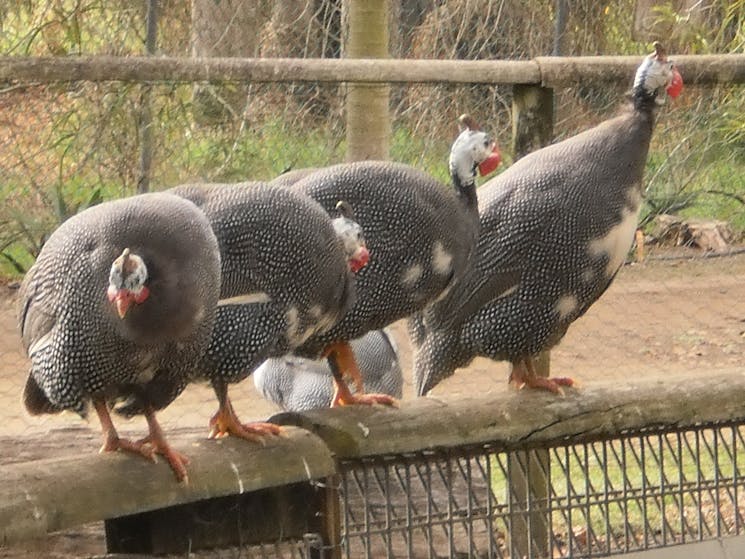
(638, 484)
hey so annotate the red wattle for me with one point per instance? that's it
(489, 164)
(360, 260)
(676, 84)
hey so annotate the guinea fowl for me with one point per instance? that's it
(296, 384)
(287, 273)
(119, 304)
(555, 229)
(420, 235)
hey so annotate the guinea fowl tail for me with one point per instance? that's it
(436, 358)
(35, 400)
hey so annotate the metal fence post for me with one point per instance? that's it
(529, 471)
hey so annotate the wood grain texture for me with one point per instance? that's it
(48, 495)
(526, 419)
(546, 71)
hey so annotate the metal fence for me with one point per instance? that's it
(642, 491)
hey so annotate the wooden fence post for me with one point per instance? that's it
(145, 124)
(529, 471)
(367, 104)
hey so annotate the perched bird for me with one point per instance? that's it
(120, 304)
(420, 235)
(296, 384)
(287, 274)
(555, 229)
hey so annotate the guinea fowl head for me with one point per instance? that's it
(127, 282)
(472, 151)
(654, 78)
(351, 235)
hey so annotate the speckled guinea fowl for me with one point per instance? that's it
(555, 229)
(296, 384)
(420, 235)
(119, 304)
(285, 277)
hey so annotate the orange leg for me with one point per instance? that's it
(154, 443)
(342, 362)
(225, 422)
(523, 374)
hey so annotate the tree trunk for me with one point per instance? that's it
(368, 114)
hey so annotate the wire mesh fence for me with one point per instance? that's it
(609, 497)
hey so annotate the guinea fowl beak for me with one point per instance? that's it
(359, 260)
(676, 84)
(489, 164)
(122, 303)
(121, 298)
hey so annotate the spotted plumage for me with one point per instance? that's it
(156, 256)
(296, 384)
(555, 228)
(285, 278)
(420, 233)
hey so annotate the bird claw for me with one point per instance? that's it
(365, 400)
(149, 449)
(256, 432)
(553, 385)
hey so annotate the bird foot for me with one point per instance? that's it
(364, 400)
(257, 432)
(114, 444)
(553, 384)
(149, 448)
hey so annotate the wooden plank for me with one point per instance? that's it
(172, 69)
(48, 495)
(528, 418)
(548, 71)
(695, 69)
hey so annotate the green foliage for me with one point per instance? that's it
(65, 148)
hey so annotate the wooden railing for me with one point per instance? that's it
(298, 469)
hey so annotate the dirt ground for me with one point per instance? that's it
(674, 313)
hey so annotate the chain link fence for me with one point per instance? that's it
(66, 146)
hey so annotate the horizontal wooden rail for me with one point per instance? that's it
(548, 71)
(528, 418)
(49, 495)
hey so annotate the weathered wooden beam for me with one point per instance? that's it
(532, 118)
(532, 129)
(695, 69)
(549, 71)
(367, 104)
(528, 418)
(48, 495)
(170, 69)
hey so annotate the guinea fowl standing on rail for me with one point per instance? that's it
(120, 304)
(555, 229)
(287, 273)
(420, 235)
(296, 384)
